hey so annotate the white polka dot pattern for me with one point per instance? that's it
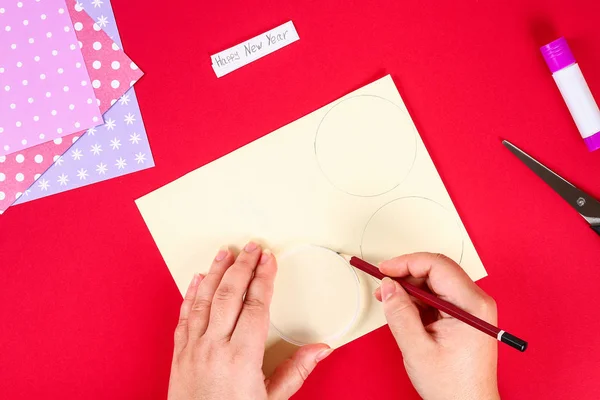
(128, 124)
(36, 64)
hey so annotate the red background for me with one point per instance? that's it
(87, 305)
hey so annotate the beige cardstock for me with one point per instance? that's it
(353, 176)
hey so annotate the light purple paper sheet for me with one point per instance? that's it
(117, 148)
(45, 91)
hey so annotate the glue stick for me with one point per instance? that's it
(574, 90)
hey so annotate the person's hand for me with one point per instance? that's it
(444, 357)
(223, 326)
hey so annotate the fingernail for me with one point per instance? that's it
(266, 255)
(223, 251)
(387, 288)
(267, 383)
(250, 247)
(323, 354)
(195, 280)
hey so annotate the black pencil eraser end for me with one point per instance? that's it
(514, 341)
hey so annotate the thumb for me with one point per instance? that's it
(403, 318)
(291, 374)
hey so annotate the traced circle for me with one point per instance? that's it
(410, 225)
(363, 147)
(316, 297)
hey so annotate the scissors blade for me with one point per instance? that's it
(587, 206)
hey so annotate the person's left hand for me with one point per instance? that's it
(223, 326)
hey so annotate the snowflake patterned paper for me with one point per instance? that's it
(117, 148)
(44, 85)
(107, 64)
(107, 151)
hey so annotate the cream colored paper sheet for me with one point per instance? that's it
(353, 176)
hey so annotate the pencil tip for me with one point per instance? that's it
(344, 256)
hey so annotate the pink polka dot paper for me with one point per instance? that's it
(18, 171)
(45, 90)
(109, 67)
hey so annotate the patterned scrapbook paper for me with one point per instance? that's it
(117, 148)
(110, 68)
(45, 90)
(107, 64)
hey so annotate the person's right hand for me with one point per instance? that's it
(444, 357)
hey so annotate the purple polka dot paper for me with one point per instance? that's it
(45, 90)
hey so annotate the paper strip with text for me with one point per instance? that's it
(250, 50)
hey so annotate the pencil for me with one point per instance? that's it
(442, 305)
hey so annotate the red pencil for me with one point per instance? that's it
(442, 305)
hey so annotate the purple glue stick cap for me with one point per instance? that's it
(558, 54)
(593, 142)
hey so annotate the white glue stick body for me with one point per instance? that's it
(574, 90)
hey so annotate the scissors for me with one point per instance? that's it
(587, 206)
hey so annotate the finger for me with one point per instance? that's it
(181, 331)
(428, 314)
(419, 282)
(445, 278)
(377, 293)
(404, 319)
(200, 312)
(229, 296)
(253, 323)
(291, 374)
(422, 306)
